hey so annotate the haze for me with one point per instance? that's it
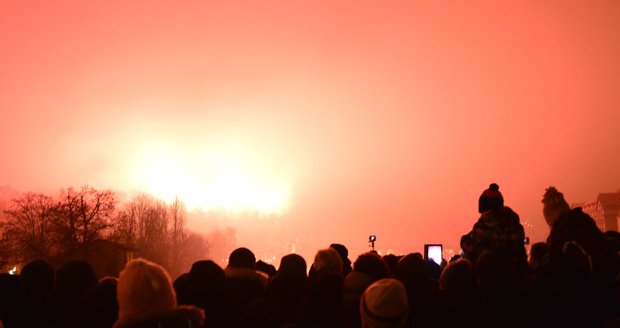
(358, 118)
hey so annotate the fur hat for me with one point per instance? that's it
(144, 290)
(554, 205)
(384, 304)
(490, 199)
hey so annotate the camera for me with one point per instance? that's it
(372, 238)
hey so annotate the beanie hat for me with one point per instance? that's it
(384, 304)
(144, 290)
(328, 259)
(554, 205)
(490, 199)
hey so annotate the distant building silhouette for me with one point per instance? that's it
(605, 210)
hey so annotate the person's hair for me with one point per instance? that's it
(372, 265)
(242, 258)
(266, 268)
(537, 252)
(37, 279)
(293, 264)
(328, 259)
(458, 276)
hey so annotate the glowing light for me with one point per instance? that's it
(223, 180)
(13, 271)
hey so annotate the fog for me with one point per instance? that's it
(371, 118)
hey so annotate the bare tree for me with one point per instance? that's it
(143, 225)
(28, 229)
(83, 216)
(178, 236)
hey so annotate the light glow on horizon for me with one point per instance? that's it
(218, 180)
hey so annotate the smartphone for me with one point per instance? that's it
(434, 252)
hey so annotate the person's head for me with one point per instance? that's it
(392, 261)
(293, 264)
(328, 259)
(490, 199)
(372, 265)
(99, 306)
(341, 249)
(205, 283)
(576, 241)
(554, 205)
(266, 268)
(37, 279)
(494, 270)
(458, 276)
(344, 255)
(242, 258)
(203, 272)
(537, 252)
(144, 290)
(384, 304)
(182, 289)
(73, 279)
(411, 267)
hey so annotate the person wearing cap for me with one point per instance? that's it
(146, 299)
(490, 199)
(384, 304)
(498, 227)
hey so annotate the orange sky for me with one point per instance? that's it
(382, 117)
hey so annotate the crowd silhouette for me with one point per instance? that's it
(571, 280)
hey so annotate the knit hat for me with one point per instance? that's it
(328, 259)
(144, 290)
(384, 304)
(490, 199)
(554, 205)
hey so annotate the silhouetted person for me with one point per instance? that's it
(325, 296)
(244, 284)
(368, 268)
(182, 289)
(499, 228)
(146, 299)
(293, 264)
(11, 311)
(207, 289)
(459, 301)
(98, 307)
(326, 259)
(266, 268)
(384, 304)
(578, 277)
(537, 253)
(73, 280)
(286, 295)
(554, 205)
(504, 291)
(490, 199)
(36, 286)
(344, 255)
(392, 262)
(412, 271)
